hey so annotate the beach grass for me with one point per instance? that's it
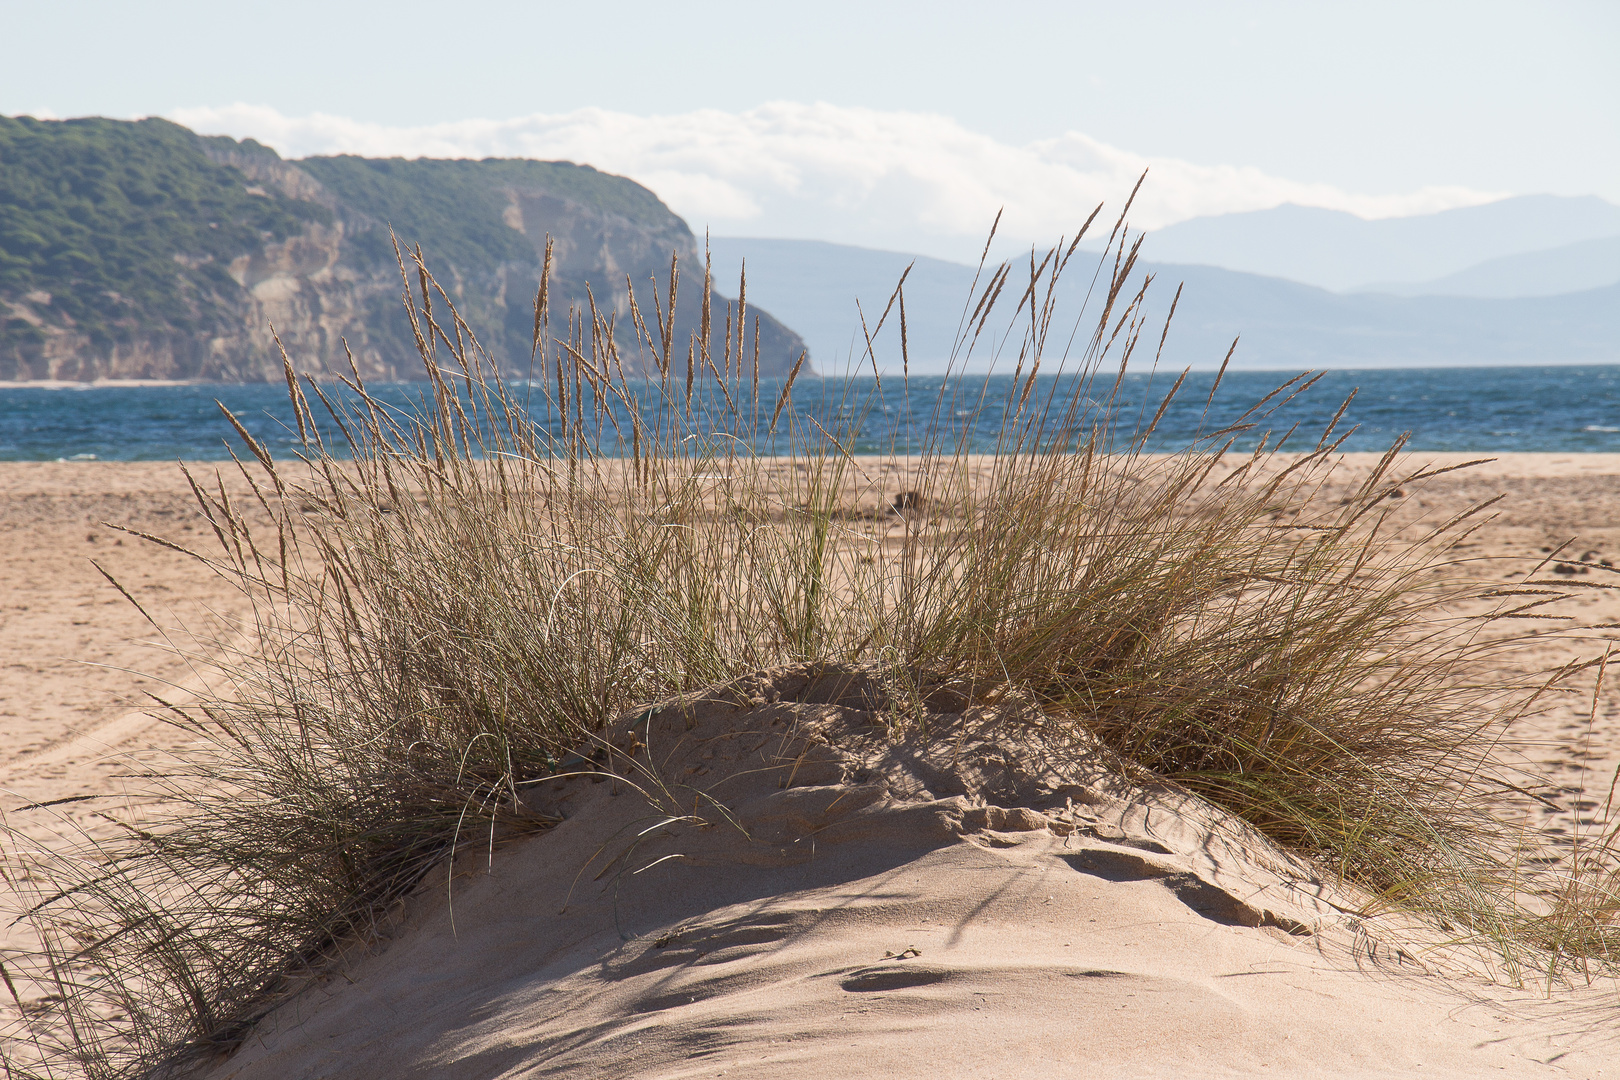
(450, 604)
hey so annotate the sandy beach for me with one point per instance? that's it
(73, 646)
(79, 657)
(907, 946)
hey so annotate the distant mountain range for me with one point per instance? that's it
(1335, 250)
(1586, 264)
(1527, 280)
(1283, 324)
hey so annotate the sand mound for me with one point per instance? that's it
(767, 882)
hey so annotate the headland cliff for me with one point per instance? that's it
(141, 250)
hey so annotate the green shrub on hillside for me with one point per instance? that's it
(457, 207)
(128, 225)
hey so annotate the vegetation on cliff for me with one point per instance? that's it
(459, 207)
(126, 226)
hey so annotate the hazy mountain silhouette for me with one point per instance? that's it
(814, 286)
(1336, 250)
(1588, 264)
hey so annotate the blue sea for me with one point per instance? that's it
(1497, 409)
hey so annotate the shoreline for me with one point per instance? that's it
(108, 384)
(1518, 464)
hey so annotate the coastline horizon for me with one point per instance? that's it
(1551, 409)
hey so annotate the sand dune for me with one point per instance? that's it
(978, 909)
(837, 905)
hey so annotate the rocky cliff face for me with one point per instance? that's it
(324, 277)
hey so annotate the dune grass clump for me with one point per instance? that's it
(450, 601)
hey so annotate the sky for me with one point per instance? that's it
(901, 125)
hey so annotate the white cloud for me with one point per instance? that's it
(907, 181)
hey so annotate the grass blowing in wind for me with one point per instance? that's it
(451, 603)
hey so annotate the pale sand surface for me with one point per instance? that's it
(1035, 959)
(981, 907)
(69, 643)
(72, 706)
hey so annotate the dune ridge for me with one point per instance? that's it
(777, 883)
